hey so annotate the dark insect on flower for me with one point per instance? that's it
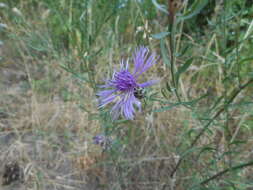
(12, 172)
(102, 140)
(139, 92)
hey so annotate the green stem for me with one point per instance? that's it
(171, 29)
(233, 95)
(225, 171)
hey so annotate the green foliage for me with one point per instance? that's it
(200, 118)
(195, 9)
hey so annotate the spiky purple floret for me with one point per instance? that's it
(120, 89)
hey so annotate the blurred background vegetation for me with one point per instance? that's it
(192, 134)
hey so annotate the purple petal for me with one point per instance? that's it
(116, 110)
(148, 83)
(142, 61)
(125, 106)
(149, 62)
(106, 97)
(128, 106)
(137, 103)
(105, 93)
(139, 58)
(124, 65)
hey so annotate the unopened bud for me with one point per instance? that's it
(17, 11)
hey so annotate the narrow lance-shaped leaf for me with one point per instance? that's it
(172, 105)
(160, 35)
(160, 7)
(195, 9)
(183, 68)
(73, 72)
(164, 53)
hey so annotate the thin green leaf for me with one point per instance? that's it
(166, 108)
(164, 93)
(160, 7)
(236, 142)
(183, 51)
(160, 35)
(217, 175)
(190, 103)
(93, 55)
(250, 74)
(207, 149)
(73, 73)
(190, 151)
(195, 9)
(165, 57)
(168, 87)
(183, 68)
(245, 59)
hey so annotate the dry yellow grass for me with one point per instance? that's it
(48, 118)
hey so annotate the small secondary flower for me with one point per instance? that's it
(104, 141)
(123, 88)
(99, 139)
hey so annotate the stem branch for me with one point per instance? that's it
(233, 95)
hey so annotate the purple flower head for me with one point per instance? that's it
(99, 139)
(121, 89)
(104, 141)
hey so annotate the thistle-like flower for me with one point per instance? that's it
(123, 89)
